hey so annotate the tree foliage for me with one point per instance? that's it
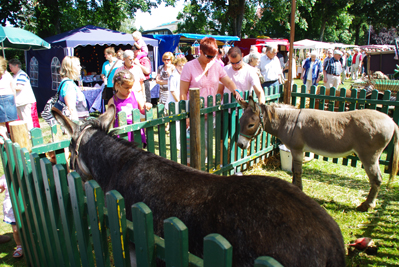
(50, 17)
(13, 11)
(325, 20)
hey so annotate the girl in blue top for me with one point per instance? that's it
(70, 93)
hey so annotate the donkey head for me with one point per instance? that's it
(81, 133)
(250, 122)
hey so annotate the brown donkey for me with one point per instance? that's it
(331, 134)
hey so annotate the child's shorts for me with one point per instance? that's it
(8, 212)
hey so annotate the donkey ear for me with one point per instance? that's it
(252, 103)
(107, 118)
(243, 104)
(69, 125)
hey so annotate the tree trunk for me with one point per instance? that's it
(236, 11)
(357, 34)
(322, 29)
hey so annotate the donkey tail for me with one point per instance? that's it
(395, 160)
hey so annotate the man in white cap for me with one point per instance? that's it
(333, 70)
(356, 63)
(270, 67)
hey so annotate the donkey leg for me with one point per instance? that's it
(297, 158)
(375, 178)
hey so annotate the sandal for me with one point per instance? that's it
(18, 252)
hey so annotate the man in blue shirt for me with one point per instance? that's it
(333, 70)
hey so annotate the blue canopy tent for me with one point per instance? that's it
(43, 66)
(169, 42)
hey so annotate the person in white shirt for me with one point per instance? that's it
(243, 75)
(174, 91)
(270, 67)
(25, 97)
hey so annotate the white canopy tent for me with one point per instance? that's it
(310, 44)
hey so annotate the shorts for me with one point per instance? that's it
(8, 212)
(108, 93)
(8, 109)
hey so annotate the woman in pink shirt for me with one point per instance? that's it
(205, 73)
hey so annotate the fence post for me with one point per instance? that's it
(266, 261)
(195, 129)
(176, 242)
(218, 252)
(143, 227)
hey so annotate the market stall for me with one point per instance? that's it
(87, 43)
(172, 42)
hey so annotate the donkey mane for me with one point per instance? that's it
(271, 109)
(96, 125)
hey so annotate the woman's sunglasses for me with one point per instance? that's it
(208, 56)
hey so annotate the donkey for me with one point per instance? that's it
(332, 134)
(258, 215)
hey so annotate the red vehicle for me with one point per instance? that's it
(245, 44)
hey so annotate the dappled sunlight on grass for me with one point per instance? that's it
(340, 189)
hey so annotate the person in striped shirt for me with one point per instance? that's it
(25, 98)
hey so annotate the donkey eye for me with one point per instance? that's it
(251, 125)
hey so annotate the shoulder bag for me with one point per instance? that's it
(57, 103)
(104, 85)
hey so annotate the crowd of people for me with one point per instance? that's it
(336, 66)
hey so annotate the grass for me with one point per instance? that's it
(340, 189)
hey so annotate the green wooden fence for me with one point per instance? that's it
(66, 223)
(223, 155)
(61, 222)
(337, 101)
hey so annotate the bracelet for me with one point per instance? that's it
(237, 90)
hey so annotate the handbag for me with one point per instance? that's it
(57, 103)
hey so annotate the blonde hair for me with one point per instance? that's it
(110, 50)
(68, 68)
(123, 76)
(3, 66)
(136, 34)
(168, 55)
(179, 60)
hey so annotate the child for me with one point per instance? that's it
(125, 100)
(140, 45)
(9, 217)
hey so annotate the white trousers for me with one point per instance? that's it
(333, 81)
(355, 72)
(25, 114)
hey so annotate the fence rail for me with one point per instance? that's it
(338, 101)
(62, 224)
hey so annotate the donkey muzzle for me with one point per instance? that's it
(243, 142)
